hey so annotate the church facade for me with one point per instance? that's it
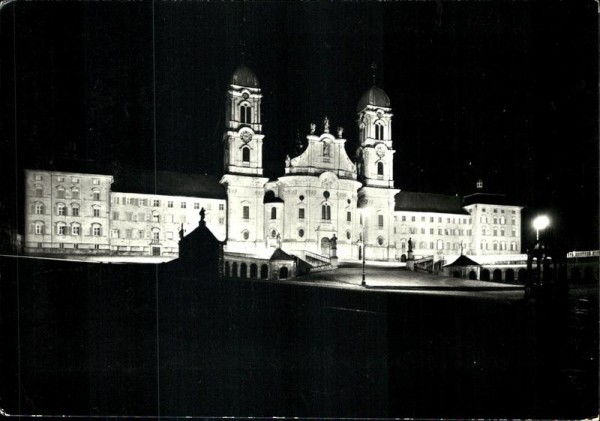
(324, 199)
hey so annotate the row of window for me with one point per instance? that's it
(514, 246)
(449, 220)
(495, 210)
(156, 203)
(325, 213)
(435, 245)
(440, 231)
(61, 179)
(62, 209)
(139, 234)
(502, 220)
(494, 232)
(64, 229)
(61, 193)
(154, 217)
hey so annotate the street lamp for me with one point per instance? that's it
(364, 212)
(540, 223)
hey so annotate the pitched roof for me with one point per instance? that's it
(168, 184)
(463, 261)
(487, 199)
(429, 202)
(279, 254)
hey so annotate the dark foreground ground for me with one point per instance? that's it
(93, 339)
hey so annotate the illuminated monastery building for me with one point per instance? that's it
(323, 194)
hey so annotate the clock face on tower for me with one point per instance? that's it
(246, 137)
(380, 150)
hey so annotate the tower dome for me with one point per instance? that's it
(243, 76)
(375, 97)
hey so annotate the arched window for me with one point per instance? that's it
(246, 114)
(39, 208)
(75, 229)
(243, 270)
(264, 272)
(75, 209)
(96, 230)
(61, 228)
(380, 168)
(39, 227)
(326, 149)
(246, 154)
(326, 212)
(234, 270)
(61, 209)
(155, 234)
(273, 213)
(245, 234)
(378, 131)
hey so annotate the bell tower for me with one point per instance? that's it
(375, 161)
(243, 137)
(243, 179)
(375, 154)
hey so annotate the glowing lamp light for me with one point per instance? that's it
(540, 223)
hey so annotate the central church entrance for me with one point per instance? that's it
(325, 246)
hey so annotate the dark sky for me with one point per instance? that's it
(505, 91)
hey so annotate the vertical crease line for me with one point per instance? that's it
(16, 207)
(155, 191)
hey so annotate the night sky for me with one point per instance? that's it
(502, 91)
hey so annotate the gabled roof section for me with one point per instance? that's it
(429, 202)
(169, 184)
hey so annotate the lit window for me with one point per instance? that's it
(75, 180)
(38, 178)
(95, 181)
